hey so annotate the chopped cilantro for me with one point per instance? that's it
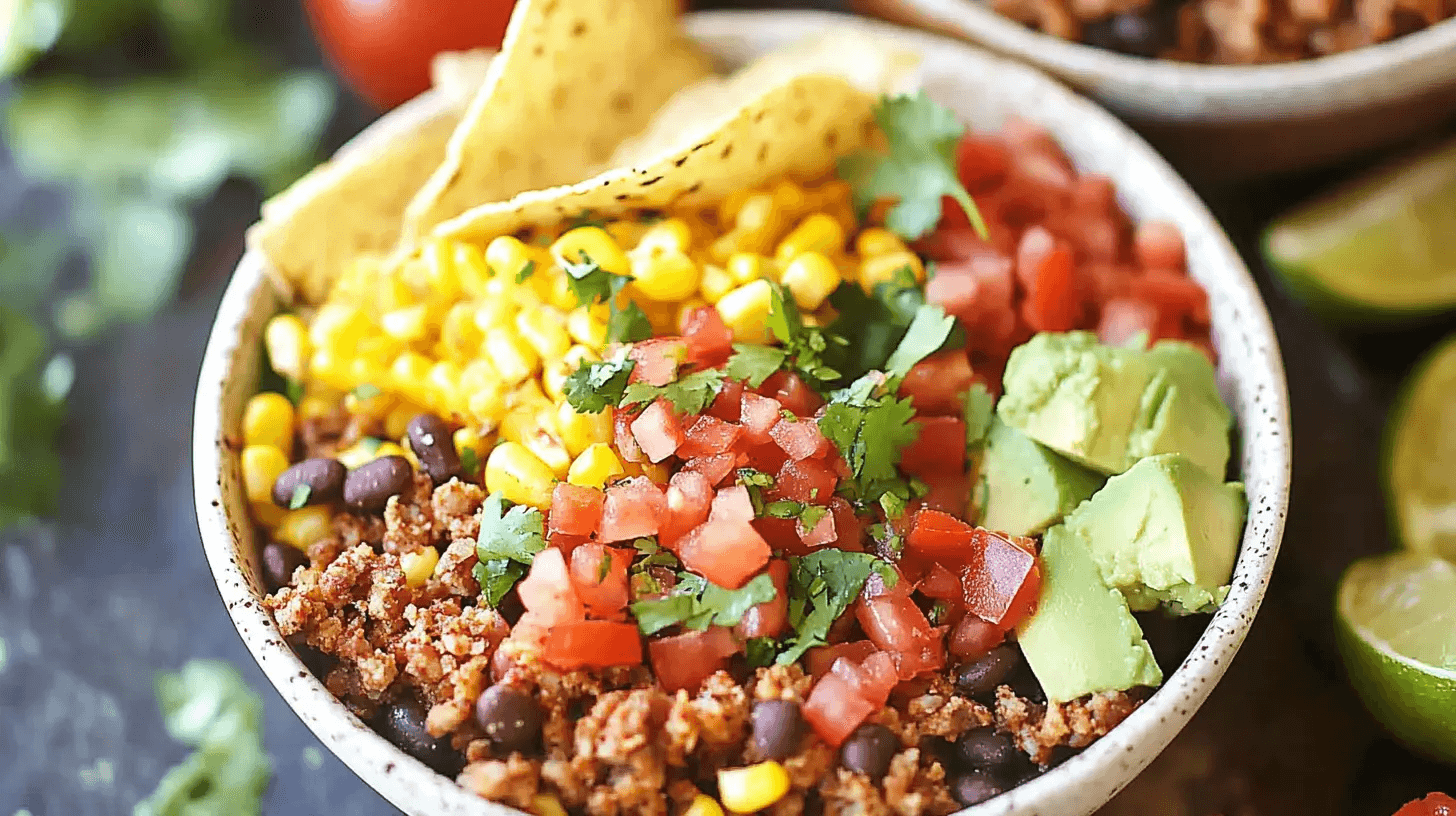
(301, 492)
(294, 390)
(807, 514)
(752, 477)
(761, 651)
(754, 364)
(365, 391)
(870, 431)
(369, 444)
(508, 542)
(689, 394)
(605, 567)
(526, 272)
(469, 461)
(628, 324)
(928, 331)
(590, 283)
(919, 169)
(893, 504)
(937, 613)
(822, 585)
(874, 325)
(595, 386)
(696, 603)
(980, 407)
(653, 555)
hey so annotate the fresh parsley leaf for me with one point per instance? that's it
(628, 324)
(980, 408)
(301, 492)
(784, 320)
(753, 364)
(918, 170)
(928, 331)
(595, 386)
(696, 603)
(822, 585)
(508, 542)
(370, 444)
(874, 325)
(689, 394)
(496, 577)
(761, 651)
(365, 391)
(469, 461)
(527, 270)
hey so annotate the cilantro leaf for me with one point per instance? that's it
(822, 585)
(628, 324)
(294, 390)
(808, 515)
(928, 331)
(918, 170)
(589, 282)
(469, 461)
(301, 492)
(689, 394)
(874, 325)
(527, 270)
(980, 408)
(760, 651)
(595, 386)
(508, 542)
(870, 432)
(696, 603)
(754, 364)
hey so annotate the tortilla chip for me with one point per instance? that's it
(575, 78)
(792, 113)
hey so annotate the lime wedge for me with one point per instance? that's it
(1379, 248)
(1420, 456)
(1395, 621)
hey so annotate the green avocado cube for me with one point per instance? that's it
(1024, 487)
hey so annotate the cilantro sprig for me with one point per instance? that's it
(874, 325)
(689, 394)
(696, 603)
(919, 168)
(870, 427)
(822, 585)
(508, 542)
(596, 386)
(590, 283)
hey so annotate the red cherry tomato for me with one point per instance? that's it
(383, 48)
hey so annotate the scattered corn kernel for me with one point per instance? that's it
(470, 265)
(587, 328)
(304, 527)
(338, 326)
(883, 268)
(419, 565)
(366, 450)
(665, 276)
(703, 805)
(877, 241)
(396, 424)
(512, 356)
(469, 439)
(580, 431)
(596, 244)
(313, 406)
(817, 233)
(550, 451)
(262, 465)
(266, 513)
(746, 309)
(810, 277)
(545, 804)
(407, 324)
(268, 420)
(519, 476)
(507, 257)
(715, 283)
(746, 267)
(595, 466)
(751, 789)
(286, 339)
(544, 330)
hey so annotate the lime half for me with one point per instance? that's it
(1420, 456)
(1379, 248)
(1395, 620)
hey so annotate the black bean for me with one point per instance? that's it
(983, 749)
(975, 787)
(869, 750)
(318, 663)
(1023, 681)
(368, 487)
(434, 445)
(980, 677)
(323, 476)
(403, 723)
(279, 562)
(777, 727)
(510, 717)
(1146, 32)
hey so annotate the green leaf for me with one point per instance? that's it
(696, 603)
(301, 492)
(527, 270)
(496, 577)
(689, 394)
(928, 331)
(469, 461)
(753, 364)
(870, 432)
(596, 386)
(822, 585)
(507, 544)
(628, 324)
(294, 390)
(761, 651)
(980, 408)
(918, 170)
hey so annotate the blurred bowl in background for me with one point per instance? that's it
(1225, 123)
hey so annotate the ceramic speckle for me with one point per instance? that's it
(985, 90)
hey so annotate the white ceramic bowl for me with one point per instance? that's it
(1227, 123)
(984, 89)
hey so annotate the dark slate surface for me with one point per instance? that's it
(116, 589)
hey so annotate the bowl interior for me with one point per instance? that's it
(984, 90)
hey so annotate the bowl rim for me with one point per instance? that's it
(1094, 774)
(1347, 80)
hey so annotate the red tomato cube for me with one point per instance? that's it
(940, 583)
(973, 637)
(728, 405)
(685, 661)
(793, 393)
(818, 660)
(1158, 245)
(810, 481)
(939, 448)
(821, 533)
(1046, 269)
(1094, 194)
(706, 435)
(689, 498)
(1434, 804)
(992, 581)
(657, 359)
(770, 618)
(949, 492)
(732, 504)
(781, 534)
(715, 468)
(1125, 318)
(592, 644)
(710, 341)
(848, 526)
(800, 439)
(599, 574)
(937, 385)
(1171, 292)
(575, 510)
(633, 508)
(767, 458)
(623, 439)
(657, 431)
(895, 624)
(727, 553)
(835, 708)
(547, 590)
(873, 678)
(758, 415)
(981, 161)
(942, 537)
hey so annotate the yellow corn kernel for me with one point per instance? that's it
(369, 361)
(262, 465)
(472, 269)
(596, 244)
(817, 233)
(545, 331)
(444, 383)
(883, 268)
(488, 405)
(550, 451)
(791, 199)
(406, 325)
(554, 287)
(553, 378)
(507, 256)
(511, 355)
(519, 476)
(409, 375)
(419, 565)
(377, 405)
(810, 277)
(746, 267)
(266, 513)
(665, 277)
(715, 283)
(390, 293)
(304, 527)
(529, 396)
(668, 235)
(460, 338)
(751, 789)
(469, 439)
(877, 241)
(579, 431)
(268, 420)
(594, 466)
(337, 326)
(757, 215)
(330, 368)
(440, 277)
(496, 310)
(517, 424)
(746, 309)
(545, 804)
(703, 805)
(286, 339)
(587, 328)
(313, 406)
(396, 422)
(626, 231)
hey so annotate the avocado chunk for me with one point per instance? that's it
(1023, 487)
(1107, 407)
(1165, 532)
(1082, 638)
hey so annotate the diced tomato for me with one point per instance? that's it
(1158, 245)
(848, 527)
(942, 537)
(705, 435)
(793, 393)
(634, 508)
(1094, 194)
(769, 618)
(767, 457)
(685, 661)
(622, 437)
(575, 510)
(799, 439)
(1171, 292)
(758, 416)
(1125, 318)
(873, 678)
(973, 637)
(949, 492)
(727, 553)
(658, 431)
(592, 644)
(979, 292)
(992, 581)
(709, 339)
(952, 243)
(728, 405)
(1024, 604)
(940, 583)
(781, 534)
(809, 481)
(1434, 804)
(732, 504)
(548, 592)
(1045, 268)
(689, 498)
(821, 533)
(834, 709)
(657, 359)
(939, 448)
(565, 542)
(818, 660)
(981, 161)
(716, 467)
(894, 623)
(599, 574)
(937, 384)
(531, 629)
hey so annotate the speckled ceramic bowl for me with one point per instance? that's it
(984, 89)
(1227, 123)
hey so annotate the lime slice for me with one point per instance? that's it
(1395, 620)
(1420, 456)
(1379, 248)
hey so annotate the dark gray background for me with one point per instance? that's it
(116, 589)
